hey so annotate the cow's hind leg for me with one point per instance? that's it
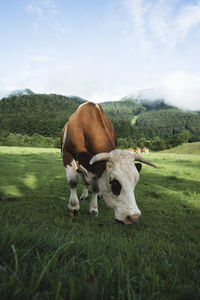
(72, 179)
(84, 194)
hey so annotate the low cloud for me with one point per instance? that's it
(42, 74)
(181, 89)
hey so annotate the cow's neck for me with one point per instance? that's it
(103, 144)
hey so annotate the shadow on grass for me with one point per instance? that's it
(38, 180)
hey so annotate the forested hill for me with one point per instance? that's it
(137, 122)
(153, 122)
(37, 113)
(126, 108)
(169, 122)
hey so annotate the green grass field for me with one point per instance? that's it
(45, 254)
(188, 148)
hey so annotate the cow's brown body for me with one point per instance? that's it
(88, 130)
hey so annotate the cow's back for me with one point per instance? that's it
(89, 129)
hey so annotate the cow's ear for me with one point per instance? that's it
(138, 167)
(84, 159)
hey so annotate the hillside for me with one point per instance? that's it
(152, 119)
(137, 122)
(126, 108)
(36, 113)
(188, 148)
(166, 123)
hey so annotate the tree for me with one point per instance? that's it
(183, 137)
(158, 144)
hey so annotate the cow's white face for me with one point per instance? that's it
(117, 184)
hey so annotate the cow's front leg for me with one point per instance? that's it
(94, 203)
(72, 179)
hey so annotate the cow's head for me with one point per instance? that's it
(117, 180)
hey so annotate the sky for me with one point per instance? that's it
(102, 50)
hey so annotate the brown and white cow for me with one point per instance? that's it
(88, 143)
(130, 149)
(145, 150)
(138, 150)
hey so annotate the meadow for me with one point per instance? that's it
(46, 254)
(186, 148)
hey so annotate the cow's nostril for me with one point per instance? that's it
(132, 219)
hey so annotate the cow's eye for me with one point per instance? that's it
(115, 186)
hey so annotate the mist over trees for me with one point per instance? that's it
(37, 120)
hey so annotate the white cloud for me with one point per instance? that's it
(3, 91)
(42, 74)
(138, 46)
(47, 14)
(31, 73)
(40, 59)
(181, 89)
(42, 8)
(188, 18)
(138, 11)
(161, 20)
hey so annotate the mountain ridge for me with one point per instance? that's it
(25, 91)
(146, 97)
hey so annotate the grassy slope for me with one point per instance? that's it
(188, 148)
(45, 254)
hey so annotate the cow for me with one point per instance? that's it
(138, 150)
(130, 149)
(145, 150)
(89, 146)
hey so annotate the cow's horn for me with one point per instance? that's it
(100, 156)
(145, 161)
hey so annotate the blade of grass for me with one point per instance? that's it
(15, 257)
(68, 244)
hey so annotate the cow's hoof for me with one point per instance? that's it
(94, 211)
(73, 212)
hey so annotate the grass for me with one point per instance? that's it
(188, 148)
(45, 254)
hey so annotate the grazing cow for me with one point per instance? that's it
(138, 150)
(88, 144)
(145, 150)
(130, 149)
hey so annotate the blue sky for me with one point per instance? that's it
(102, 49)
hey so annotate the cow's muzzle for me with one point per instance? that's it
(129, 219)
